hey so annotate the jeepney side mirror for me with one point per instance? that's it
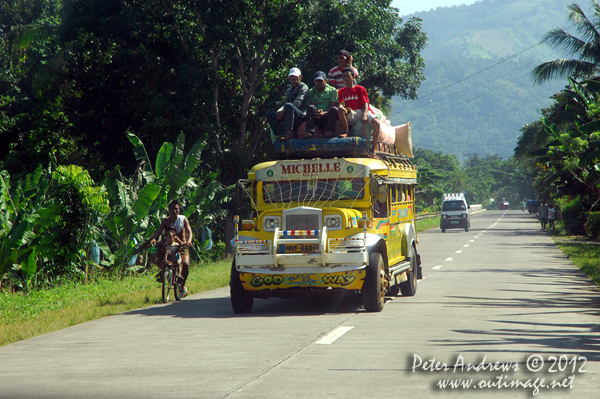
(439, 208)
(468, 206)
(239, 198)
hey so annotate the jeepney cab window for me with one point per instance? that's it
(314, 190)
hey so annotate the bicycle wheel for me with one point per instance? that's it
(177, 291)
(166, 285)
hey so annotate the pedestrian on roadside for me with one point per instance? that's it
(543, 215)
(551, 216)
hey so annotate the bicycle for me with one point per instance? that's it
(169, 277)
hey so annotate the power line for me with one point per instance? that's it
(474, 85)
(479, 72)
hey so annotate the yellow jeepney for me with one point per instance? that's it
(328, 224)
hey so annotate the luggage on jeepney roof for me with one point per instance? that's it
(320, 148)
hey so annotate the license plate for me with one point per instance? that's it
(454, 222)
(299, 248)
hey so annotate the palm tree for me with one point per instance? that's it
(585, 49)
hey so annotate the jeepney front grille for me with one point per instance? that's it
(302, 222)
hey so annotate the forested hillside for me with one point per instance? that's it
(478, 90)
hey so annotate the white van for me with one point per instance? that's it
(455, 212)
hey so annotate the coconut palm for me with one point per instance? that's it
(585, 49)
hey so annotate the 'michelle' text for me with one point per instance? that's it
(460, 366)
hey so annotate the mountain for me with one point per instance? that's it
(478, 90)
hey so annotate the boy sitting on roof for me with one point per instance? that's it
(354, 106)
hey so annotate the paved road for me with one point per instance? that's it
(500, 293)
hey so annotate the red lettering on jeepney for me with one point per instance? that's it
(315, 167)
(337, 167)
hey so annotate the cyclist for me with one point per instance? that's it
(183, 232)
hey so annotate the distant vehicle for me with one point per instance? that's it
(503, 204)
(455, 212)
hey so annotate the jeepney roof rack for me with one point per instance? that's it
(349, 147)
(399, 159)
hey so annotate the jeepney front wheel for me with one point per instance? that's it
(373, 289)
(242, 301)
(409, 287)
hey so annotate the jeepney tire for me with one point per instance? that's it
(395, 290)
(443, 230)
(467, 228)
(373, 290)
(242, 301)
(409, 287)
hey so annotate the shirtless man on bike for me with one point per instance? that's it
(183, 231)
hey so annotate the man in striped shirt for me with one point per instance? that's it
(334, 77)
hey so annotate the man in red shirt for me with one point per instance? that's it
(354, 106)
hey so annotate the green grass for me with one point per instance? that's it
(584, 252)
(428, 224)
(24, 316)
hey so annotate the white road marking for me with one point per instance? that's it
(472, 240)
(332, 336)
(476, 237)
(437, 267)
(466, 245)
(459, 252)
(448, 259)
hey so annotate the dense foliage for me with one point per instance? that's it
(483, 180)
(563, 149)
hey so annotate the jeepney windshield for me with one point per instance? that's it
(314, 190)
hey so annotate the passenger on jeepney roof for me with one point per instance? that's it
(344, 60)
(286, 120)
(354, 106)
(322, 109)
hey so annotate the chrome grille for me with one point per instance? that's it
(302, 222)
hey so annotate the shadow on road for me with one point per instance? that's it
(555, 335)
(220, 308)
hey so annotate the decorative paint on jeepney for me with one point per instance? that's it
(309, 169)
(350, 280)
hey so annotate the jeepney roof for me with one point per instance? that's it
(395, 171)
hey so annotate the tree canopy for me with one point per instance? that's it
(84, 73)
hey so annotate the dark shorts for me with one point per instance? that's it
(543, 220)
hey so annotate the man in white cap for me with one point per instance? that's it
(285, 121)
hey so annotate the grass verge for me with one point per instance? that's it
(582, 251)
(24, 316)
(428, 224)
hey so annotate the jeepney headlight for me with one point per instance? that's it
(271, 223)
(444, 216)
(333, 222)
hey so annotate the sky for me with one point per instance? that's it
(411, 6)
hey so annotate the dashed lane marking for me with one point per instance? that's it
(332, 336)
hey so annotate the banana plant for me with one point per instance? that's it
(137, 206)
(20, 208)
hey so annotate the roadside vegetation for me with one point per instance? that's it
(583, 251)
